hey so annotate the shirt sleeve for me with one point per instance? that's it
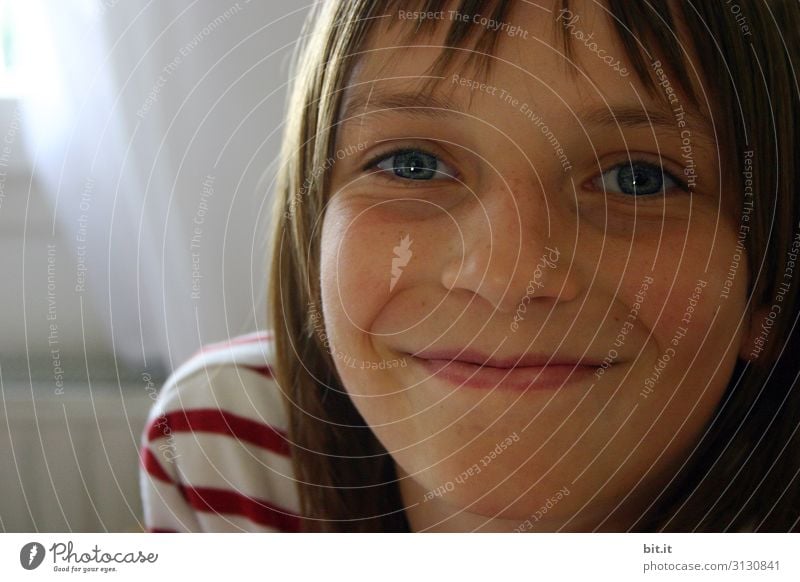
(165, 503)
(214, 454)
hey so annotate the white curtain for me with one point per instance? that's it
(149, 131)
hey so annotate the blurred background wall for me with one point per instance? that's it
(134, 138)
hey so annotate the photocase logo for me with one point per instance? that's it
(31, 555)
(402, 254)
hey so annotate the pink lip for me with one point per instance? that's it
(528, 372)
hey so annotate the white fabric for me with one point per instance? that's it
(209, 460)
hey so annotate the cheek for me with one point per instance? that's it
(374, 252)
(368, 256)
(689, 293)
(692, 312)
(352, 275)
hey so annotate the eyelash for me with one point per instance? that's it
(645, 161)
(371, 166)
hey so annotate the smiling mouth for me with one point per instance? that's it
(530, 372)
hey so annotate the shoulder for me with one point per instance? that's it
(215, 444)
(234, 376)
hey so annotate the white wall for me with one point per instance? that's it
(71, 362)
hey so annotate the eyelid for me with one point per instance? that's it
(644, 158)
(373, 161)
(621, 160)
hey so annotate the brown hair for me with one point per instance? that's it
(743, 473)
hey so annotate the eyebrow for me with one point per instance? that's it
(429, 106)
(410, 104)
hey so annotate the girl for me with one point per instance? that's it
(534, 269)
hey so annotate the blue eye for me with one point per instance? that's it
(414, 165)
(636, 179)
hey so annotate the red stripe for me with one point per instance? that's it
(247, 338)
(213, 420)
(213, 500)
(265, 371)
(152, 466)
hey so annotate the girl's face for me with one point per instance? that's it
(525, 300)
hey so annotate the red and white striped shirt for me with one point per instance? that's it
(214, 452)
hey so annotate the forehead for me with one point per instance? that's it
(406, 43)
(543, 53)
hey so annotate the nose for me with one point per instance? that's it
(516, 245)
